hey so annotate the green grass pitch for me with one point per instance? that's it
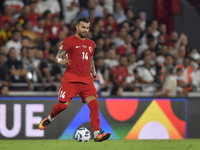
(189, 144)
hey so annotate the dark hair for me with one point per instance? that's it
(15, 31)
(170, 69)
(187, 57)
(169, 55)
(26, 38)
(46, 13)
(6, 22)
(40, 18)
(179, 69)
(83, 19)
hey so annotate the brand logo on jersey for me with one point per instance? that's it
(84, 46)
(61, 46)
(78, 46)
(90, 49)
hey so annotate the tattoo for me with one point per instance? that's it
(91, 66)
(92, 69)
(62, 53)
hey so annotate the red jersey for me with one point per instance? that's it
(123, 50)
(119, 73)
(79, 53)
(54, 31)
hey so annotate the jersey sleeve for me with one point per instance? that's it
(65, 45)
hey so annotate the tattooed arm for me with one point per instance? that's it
(92, 70)
(60, 58)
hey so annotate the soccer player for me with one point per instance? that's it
(77, 53)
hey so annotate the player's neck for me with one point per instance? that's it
(79, 37)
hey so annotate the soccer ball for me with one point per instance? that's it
(82, 135)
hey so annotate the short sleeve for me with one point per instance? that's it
(169, 82)
(43, 65)
(65, 45)
(93, 48)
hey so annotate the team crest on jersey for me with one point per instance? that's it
(61, 46)
(90, 49)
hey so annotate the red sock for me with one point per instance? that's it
(58, 108)
(94, 115)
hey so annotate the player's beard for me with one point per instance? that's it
(81, 34)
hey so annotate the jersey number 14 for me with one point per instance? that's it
(85, 55)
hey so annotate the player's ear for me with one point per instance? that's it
(76, 27)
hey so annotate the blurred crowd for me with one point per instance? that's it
(131, 52)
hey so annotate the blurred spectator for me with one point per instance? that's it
(7, 16)
(91, 4)
(4, 79)
(3, 50)
(107, 44)
(147, 74)
(39, 28)
(51, 5)
(196, 79)
(70, 10)
(155, 32)
(24, 14)
(33, 16)
(129, 15)
(31, 66)
(196, 60)
(47, 17)
(135, 38)
(104, 4)
(99, 44)
(111, 61)
(138, 22)
(163, 52)
(4, 90)
(127, 48)
(96, 32)
(170, 85)
(28, 31)
(163, 31)
(118, 75)
(5, 32)
(17, 73)
(187, 72)
(142, 47)
(182, 41)
(119, 12)
(142, 16)
(23, 52)
(16, 7)
(110, 21)
(18, 27)
(54, 30)
(173, 38)
(26, 42)
(119, 40)
(132, 63)
(180, 82)
(161, 42)
(50, 70)
(181, 54)
(102, 71)
(15, 42)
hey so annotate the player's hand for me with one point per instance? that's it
(65, 62)
(96, 77)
